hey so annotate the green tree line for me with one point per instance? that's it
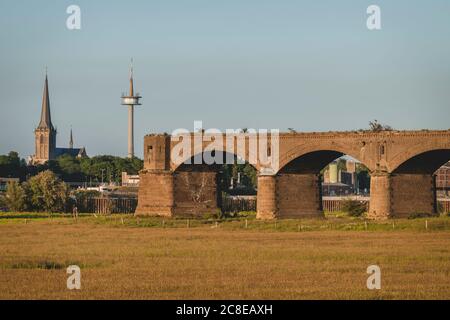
(44, 192)
(72, 169)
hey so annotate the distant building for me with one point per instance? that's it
(443, 179)
(4, 182)
(334, 175)
(336, 189)
(45, 136)
(130, 180)
(338, 182)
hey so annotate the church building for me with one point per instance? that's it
(45, 136)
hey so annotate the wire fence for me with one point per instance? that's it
(229, 205)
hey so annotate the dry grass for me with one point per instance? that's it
(125, 262)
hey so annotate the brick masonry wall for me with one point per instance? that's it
(156, 192)
(380, 197)
(195, 193)
(266, 197)
(412, 193)
(298, 196)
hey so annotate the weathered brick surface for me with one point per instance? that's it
(380, 199)
(401, 195)
(187, 194)
(267, 197)
(412, 193)
(195, 193)
(298, 196)
(156, 193)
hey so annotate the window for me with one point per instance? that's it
(149, 153)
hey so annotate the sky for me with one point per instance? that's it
(308, 65)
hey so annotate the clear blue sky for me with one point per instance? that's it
(310, 65)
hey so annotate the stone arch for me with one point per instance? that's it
(411, 173)
(326, 152)
(421, 153)
(298, 179)
(221, 152)
(423, 163)
(198, 187)
(243, 156)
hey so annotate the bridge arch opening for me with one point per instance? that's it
(424, 163)
(416, 184)
(318, 181)
(204, 189)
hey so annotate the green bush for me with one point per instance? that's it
(354, 208)
(15, 198)
(2, 202)
(46, 192)
(418, 215)
(215, 215)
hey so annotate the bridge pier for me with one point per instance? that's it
(186, 193)
(380, 196)
(299, 195)
(196, 193)
(289, 196)
(267, 197)
(413, 194)
(401, 195)
(156, 193)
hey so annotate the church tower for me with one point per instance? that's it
(45, 133)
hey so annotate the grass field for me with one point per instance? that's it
(122, 257)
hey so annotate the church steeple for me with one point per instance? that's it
(45, 133)
(46, 119)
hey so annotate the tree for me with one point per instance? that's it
(70, 168)
(248, 178)
(363, 177)
(15, 197)
(47, 193)
(354, 208)
(109, 167)
(2, 202)
(342, 164)
(12, 166)
(375, 126)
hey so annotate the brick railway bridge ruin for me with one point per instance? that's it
(401, 164)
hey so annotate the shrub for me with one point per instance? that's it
(2, 203)
(215, 215)
(47, 193)
(354, 208)
(442, 211)
(418, 215)
(15, 197)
